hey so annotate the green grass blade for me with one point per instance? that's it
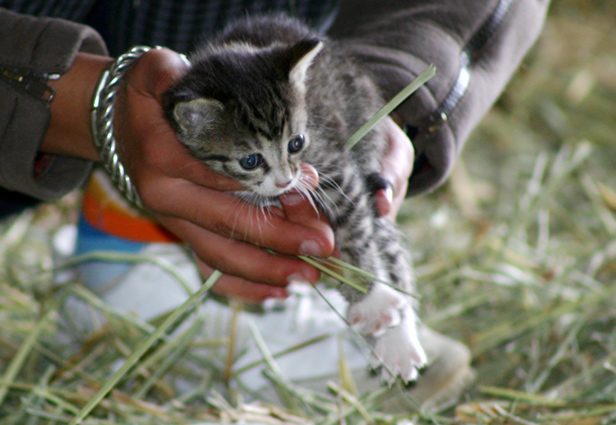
(25, 349)
(168, 355)
(285, 392)
(421, 79)
(521, 396)
(333, 274)
(333, 261)
(352, 400)
(282, 353)
(143, 348)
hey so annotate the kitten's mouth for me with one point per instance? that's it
(257, 199)
(263, 198)
(267, 200)
(282, 188)
(278, 195)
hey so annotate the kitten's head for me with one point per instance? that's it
(241, 110)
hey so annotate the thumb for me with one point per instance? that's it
(299, 207)
(396, 168)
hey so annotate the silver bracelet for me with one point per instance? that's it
(101, 121)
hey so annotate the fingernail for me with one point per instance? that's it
(280, 294)
(297, 279)
(185, 60)
(311, 247)
(277, 212)
(310, 180)
(276, 301)
(389, 193)
(293, 198)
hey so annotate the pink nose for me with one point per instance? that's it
(283, 185)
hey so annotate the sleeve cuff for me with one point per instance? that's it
(39, 46)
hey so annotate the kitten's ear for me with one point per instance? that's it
(301, 56)
(197, 114)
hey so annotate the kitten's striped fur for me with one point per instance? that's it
(268, 85)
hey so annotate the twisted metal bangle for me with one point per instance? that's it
(101, 121)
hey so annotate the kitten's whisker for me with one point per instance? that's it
(311, 199)
(267, 214)
(334, 185)
(325, 202)
(253, 213)
(254, 210)
(240, 207)
(307, 181)
(258, 210)
(243, 205)
(305, 190)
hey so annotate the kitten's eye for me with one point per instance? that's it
(297, 143)
(251, 162)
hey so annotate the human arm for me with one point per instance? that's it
(476, 47)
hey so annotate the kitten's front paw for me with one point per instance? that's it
(387, 315)
(380, 310)
(399, 352)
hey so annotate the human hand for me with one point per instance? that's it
(296, 208)
(192, 201)
(396, 166)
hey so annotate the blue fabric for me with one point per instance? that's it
(92, 239)
(98, 274)
(177, 24)
(181, 24)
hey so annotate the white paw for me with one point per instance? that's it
(380, 310)
(399, 352)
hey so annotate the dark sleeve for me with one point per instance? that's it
(31, 49)
(476, 46)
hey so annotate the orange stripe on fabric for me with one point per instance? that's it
(107, 216)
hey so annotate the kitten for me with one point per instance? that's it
(268, 94)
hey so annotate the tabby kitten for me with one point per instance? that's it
(268, 94)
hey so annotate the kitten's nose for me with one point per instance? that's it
(284, 184)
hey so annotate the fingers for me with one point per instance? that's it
(300, 208)
(241, 259)
(230, 217)
(384, 199)
(242, 289)
(251, 273)
(383, 192)
(163, 66)
(396, 168)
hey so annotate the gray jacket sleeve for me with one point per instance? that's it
(476, 46)
(31, 49)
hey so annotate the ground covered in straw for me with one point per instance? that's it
(516, 257)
